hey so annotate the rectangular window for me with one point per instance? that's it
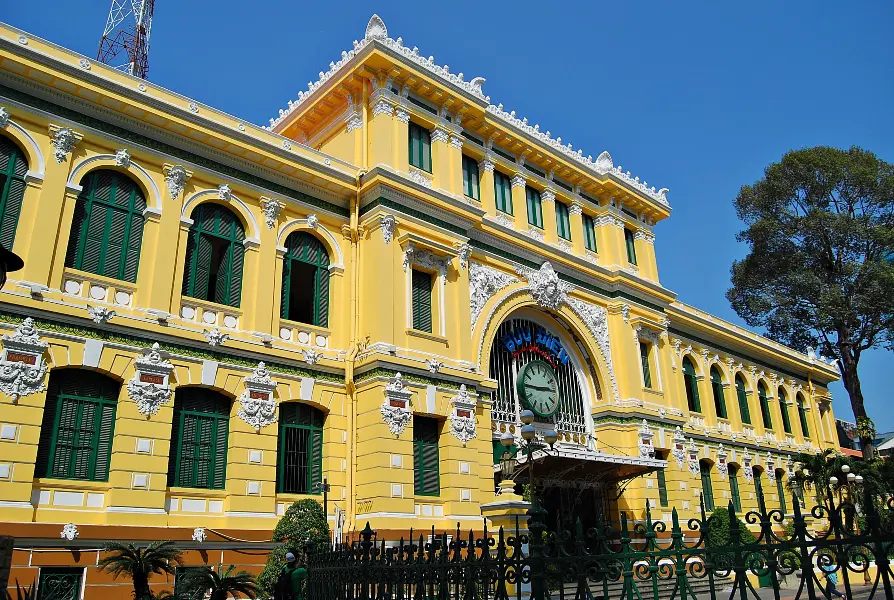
(426, 469)
(563, 224)
(644, 349)
(422, 289)
(60, 583)
(631, 246)
(420, 147)
(503, 192)
(471, 178)
(589, 233)
(802, 416)
(734, 489)
(203, 450)
(535, 208)
(707, 488)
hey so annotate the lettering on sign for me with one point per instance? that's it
(258, 395)
(397, 403)
(147, 378)
(28, 359)
(540, 341)
(463, 413)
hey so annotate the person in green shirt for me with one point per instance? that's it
(291, 579)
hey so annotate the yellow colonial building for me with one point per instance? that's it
(215, 316)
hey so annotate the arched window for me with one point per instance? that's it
(78, 423)
(757, 472)
(717, 390)
(783, 408)
(214, 256)
(765, 405)
(690, 382)
(734, 487)
(13, 167)
(743, 400)
(107, 228)
(299, 463)
(802, 416)
(199, 439)
(305, 280)
(707, 488)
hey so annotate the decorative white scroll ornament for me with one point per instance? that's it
(271, 209)
(214, 337)
(679, 450)
(100, 314)
(396, 407)
(22, 368)
(388, 223)
(462, 417)
(70, 532)
(434, 365)
(646, 449)
(311, 356)
(746, 467)
(199, 535)
(694, 467)
(257, 404)
(150, 386)
(63, 141)
(722, 465)
(484, 283)
(175, 178)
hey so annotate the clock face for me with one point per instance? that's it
(538, 387)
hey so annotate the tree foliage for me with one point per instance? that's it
(820, 270)
(221, 584)
(140, 563)
(301, 530)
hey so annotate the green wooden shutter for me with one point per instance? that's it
(644, 362)
(426, 467)
(765, 407)
(783, 409)
(13, 168)
(780, 491)
(535, 208)
(743, 401)
(420, 147)
(563, 223)
(234, 276)
(422, 291)
(503, 192)
(717, 390)
(220, 433)
(315, 452)
(690, 382)
(631, 246)
(734, 489)
(471, 178)
(662, 487)
(322, 297)
(707, 488)
(590, 233)
(214, 225)
(802, 416)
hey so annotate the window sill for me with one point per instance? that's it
(209, 305)
(428, 336)
(305, 327)
(653, 392)
(53, 483)
(295, 496)
(118, 284)
(472, 198)
(196, 492)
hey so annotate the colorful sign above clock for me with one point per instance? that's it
(540, 341)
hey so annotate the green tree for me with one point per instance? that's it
(221, 584)
(301, 530)
(819, 273)
(140, 563)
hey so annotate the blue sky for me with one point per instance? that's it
(698, 97)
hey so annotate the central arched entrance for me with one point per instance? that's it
(527, 335)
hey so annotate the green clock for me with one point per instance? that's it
(538, 387)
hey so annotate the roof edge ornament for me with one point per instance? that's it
(375, 29)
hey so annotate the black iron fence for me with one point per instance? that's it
(713, 556)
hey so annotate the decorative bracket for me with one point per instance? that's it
(462, 417)
(150, 386)
(22, 368)
(258, 407)
(722, 465)
(646, 449)
(679, 450)
(396, 407)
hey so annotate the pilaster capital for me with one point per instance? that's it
(548, 195)
(575, 209)
(518, 180)
(439, 134)
(63, 139)
(486, 164)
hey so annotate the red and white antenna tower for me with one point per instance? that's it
(127, 33)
